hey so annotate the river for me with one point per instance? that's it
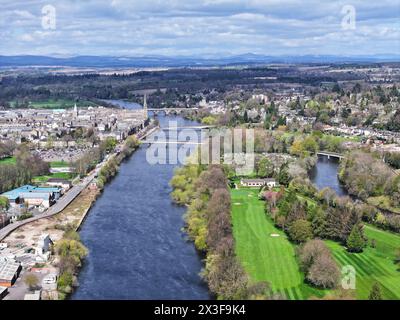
(137, 249)
(325, 173)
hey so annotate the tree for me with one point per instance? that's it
(109, 144)
(356, 241)
(265, 168)
(309, 251)
(284, 177)
(4, 203)
(375, 293)
(300, 231)
(324, 272)
(67, 139)
(245, 117)
(317, 263)
(31, 280)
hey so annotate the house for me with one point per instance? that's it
(9, 272)
(38, 199)
(270, 183)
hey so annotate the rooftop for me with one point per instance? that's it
(8, 270)
(25, 190)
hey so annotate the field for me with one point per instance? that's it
(59, 164)
(59, 175)
(9, 160)
(265, 257)
(55, 104)
(374, 264)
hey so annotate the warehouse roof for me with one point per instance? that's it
(8, 270)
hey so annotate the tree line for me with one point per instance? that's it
(205, 191)
(27, 166)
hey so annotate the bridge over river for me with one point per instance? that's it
(331, 154)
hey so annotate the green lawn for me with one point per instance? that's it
(9, 160)
(374, 264)
(266, 258)
(59, 175)
(55, 104)
(59, 164)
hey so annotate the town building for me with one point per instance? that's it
(9, 272)
(269, 182)
(33, 196)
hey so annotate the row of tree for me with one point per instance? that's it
(366, 175)
(27, 166)
(205, 191)
(71, 253)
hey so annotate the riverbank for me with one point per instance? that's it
(62, 221)
(134, 235)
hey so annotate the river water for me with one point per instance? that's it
(325, 173)
(137, 249)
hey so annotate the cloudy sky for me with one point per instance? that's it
(200, 27)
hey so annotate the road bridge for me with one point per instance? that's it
(168, 111)
(330, 154)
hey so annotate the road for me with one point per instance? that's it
(61, 204)
(64, 201)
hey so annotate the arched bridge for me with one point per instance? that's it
(168, 111)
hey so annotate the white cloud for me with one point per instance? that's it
(200, 27)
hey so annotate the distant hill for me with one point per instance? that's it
(161, 61)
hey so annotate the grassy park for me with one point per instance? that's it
(58, 175)
(59, 164)
(55, 104)
(265, 251)
(267, 254)
(373, 264)
(8, 160)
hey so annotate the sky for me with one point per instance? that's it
(207, 28)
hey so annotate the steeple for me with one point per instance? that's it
(75, 110)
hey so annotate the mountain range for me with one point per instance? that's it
(163, 61)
